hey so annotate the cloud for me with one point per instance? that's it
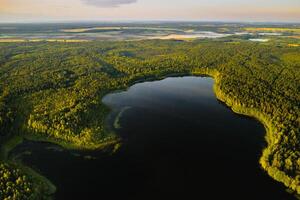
(108, 3)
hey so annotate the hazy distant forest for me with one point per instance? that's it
(53, 91)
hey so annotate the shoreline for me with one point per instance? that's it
(220, 95)
(266, 152)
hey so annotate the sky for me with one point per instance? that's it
(142, 10)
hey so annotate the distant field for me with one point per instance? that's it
(77, 32)
(295, 36)
(114, 28)
(40, 40)
(294, 45)
(256, 29)
(80, 30)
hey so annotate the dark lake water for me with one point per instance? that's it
(180, 142)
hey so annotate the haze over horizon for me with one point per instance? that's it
(139, 10)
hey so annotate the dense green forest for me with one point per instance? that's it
(53, 91)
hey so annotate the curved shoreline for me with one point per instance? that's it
(256, 114)
(220, 95)
(241, 110)
(238, 109)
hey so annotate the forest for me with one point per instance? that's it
(52, 92)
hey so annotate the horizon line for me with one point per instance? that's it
(57, 21)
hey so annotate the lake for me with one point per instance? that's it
(179, 141)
